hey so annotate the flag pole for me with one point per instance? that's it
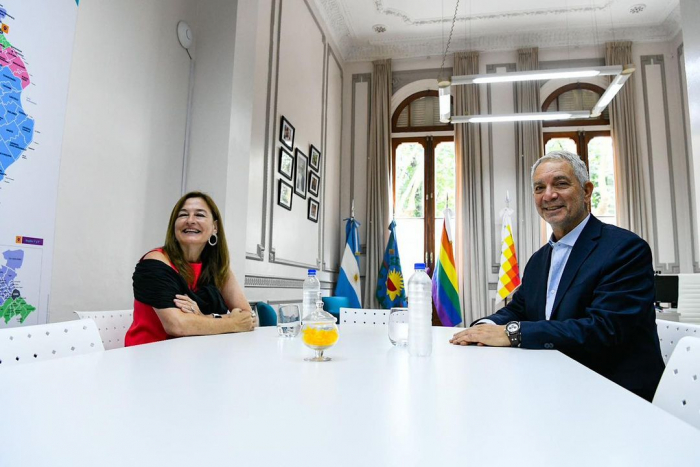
(352, 210)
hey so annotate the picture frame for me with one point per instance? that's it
(285, 165)
(314, 183)
(287, 133)
(314, 158)
(301, 173)
(312, 213)
(285, 193)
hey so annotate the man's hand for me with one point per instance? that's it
(483, 334)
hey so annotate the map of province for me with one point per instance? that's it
(12, 304)
(16, 127)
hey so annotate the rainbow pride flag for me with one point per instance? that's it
(445, 285)
(508, 275)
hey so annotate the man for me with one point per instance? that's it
(588, 293)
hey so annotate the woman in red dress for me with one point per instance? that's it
(187, 287)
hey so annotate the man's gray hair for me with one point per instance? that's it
(574, 160)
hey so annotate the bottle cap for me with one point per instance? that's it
(419, 266)
(312, 272)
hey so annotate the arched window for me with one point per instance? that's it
(594, 146)
(576, 96)
(423, 177)
(419, 112)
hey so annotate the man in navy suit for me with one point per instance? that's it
(588, 293)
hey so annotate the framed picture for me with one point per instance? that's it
(286, 163)
(314, 182)
(301, 174)
(287, 133)
(314, 158)
(313, 210)
(285, 193)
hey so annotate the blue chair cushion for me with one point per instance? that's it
(266, 314)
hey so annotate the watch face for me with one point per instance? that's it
(512, 327)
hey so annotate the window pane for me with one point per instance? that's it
(561, 144)
(410, 239)
(602, 172)
(402, 121)
(425, 111)
(445, 171)
(445, 182)
(410, 167)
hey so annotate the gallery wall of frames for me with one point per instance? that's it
(294, 220)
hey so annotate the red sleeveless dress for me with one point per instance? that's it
(147, 326)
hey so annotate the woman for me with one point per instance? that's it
(187, 287)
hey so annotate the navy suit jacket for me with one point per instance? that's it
(603, 314)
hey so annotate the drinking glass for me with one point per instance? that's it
(288, 321)
(398, 326)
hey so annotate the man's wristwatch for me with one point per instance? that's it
(513, 333)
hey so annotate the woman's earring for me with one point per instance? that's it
(216, 240)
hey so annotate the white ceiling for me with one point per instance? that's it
(419, 28)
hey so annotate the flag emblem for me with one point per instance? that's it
(394, 284)
(390, 288)
(508, 274)
(349, 277)
(445, 283)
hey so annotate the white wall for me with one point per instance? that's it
(122, 151)
(222, 109)
(690, 15)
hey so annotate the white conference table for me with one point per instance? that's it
(251, 400)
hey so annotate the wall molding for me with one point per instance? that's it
(688, 162)
(673, 267)
(357, 78)
(495, 249)
(276, 282)
(272, 255)
(259, 254)
(330, 54)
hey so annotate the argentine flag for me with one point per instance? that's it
(349, 276)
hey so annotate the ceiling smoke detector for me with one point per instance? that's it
(379, 28)
(638, 8)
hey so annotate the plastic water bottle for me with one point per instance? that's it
(420, 313)
(312, 287)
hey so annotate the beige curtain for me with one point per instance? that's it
(630, 184)
(378, 176)
(530, 148)
(470, 232)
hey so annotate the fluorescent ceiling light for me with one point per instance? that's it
(537, 75)
(520, 117)
(445, 101)
(612, 91)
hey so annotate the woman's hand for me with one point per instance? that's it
(186, 304)
(243, 320)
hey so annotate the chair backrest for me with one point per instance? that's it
(689, 298)
(267, 316)
(364, 317)
(670, 332)
(46, 341)
(679, 389)
(111, 324)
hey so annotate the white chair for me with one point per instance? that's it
(670, 332)
(46, 341)
(363, 317)
(679, 389)
(689, 298)
(111, 324)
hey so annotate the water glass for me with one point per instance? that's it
(398, 326)
(288, 320)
